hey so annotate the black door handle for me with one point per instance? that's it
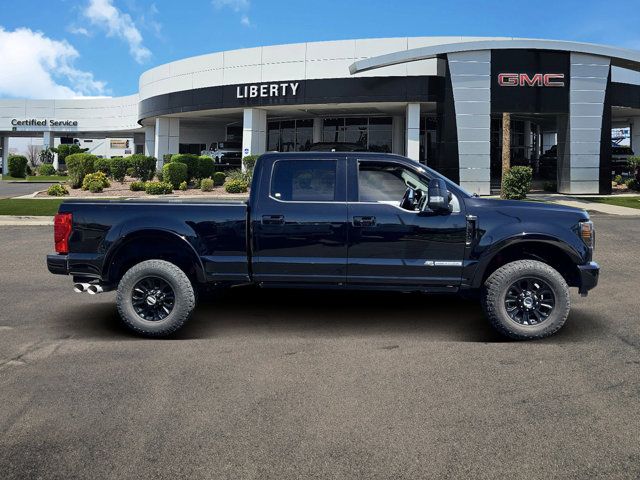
(366, 221)
(273, 219)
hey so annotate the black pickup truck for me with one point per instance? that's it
(332, 220)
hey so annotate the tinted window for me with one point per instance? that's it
(304, 180)
(383, 182)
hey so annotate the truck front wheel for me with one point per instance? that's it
(155, 298)
(526, 299)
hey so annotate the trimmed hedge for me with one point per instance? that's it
(79, 165)
(249, 161)
(137, 186)
(46, 169)
(158, 188)
(57, 190)
(190, 160)
(18, 166)
(236, 186)
(175, 173)
(143, 167)
(517, 183)
(119, 167)
(95, 182)
(102, 165)
(205, 166)
(206, 185)
(219, 178)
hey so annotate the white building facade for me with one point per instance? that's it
(437, 100)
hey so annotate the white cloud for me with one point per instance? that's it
(103, 14)
(235, 5)
(35, 66)
(238, 6)
(78, 30)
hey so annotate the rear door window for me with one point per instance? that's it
(304, 181)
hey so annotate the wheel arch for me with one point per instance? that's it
(152, 243)
(549, 250)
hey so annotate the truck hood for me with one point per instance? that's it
(531, 209)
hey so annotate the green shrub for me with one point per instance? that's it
(517, 183)
(119, 167)
(160, 175)
(634, 164)
(158, 188)
(249, 162)
(219, 178)
(143, 167)
(190, 160)
(79, 165)
(102, 165)
(94, 186)
(18, 166)
(183, 186)
(206, 184)
(166, 158)
(236, 186)
(617, 179)
(57, 190)
(137, 186)
(98, 178)
(550, 187)
(238, 175)
(66, 150)
(205, 167)
(29, 171)
(175, 173)
(632, 184)
(46, 169)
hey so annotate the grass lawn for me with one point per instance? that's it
(631, 202)
(48, 207)
(38, 178)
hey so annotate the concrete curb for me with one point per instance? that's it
(23, 220)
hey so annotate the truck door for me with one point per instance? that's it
(299, 222)
(393, 246)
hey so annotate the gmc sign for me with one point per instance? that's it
(537, 80)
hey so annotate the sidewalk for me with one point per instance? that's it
(14, 220)
(581, 201)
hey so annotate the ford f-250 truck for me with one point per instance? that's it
(345, 220)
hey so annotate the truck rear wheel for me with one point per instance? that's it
(526, 299)
(155, 298)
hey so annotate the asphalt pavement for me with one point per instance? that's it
(295, 384)
(15, 189)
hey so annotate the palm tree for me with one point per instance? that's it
(506, 147)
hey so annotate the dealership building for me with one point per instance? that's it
(437, 100)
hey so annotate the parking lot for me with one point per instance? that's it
(296, 384)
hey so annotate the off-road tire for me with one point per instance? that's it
(495, 289)
(185, 299)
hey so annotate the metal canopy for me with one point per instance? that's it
(620, 57)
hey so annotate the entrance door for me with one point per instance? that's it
(300, 223)
(393, 246)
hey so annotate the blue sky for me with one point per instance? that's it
(65, 48)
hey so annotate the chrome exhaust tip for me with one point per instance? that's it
(80, 287)
(94, 289)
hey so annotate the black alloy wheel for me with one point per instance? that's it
(153, 299)
(529, 301)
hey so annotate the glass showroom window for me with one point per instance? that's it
(289, 135)
(371, 133)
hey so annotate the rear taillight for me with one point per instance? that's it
(62, 224)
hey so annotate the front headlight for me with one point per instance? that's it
(588, 234)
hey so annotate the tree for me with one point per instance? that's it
(506, 148)
(65, 150)
(33, 154)
(46, 155)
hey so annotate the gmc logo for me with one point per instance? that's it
(537, 80)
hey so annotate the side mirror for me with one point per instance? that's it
(438, 196)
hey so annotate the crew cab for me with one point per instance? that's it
(331, 220)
